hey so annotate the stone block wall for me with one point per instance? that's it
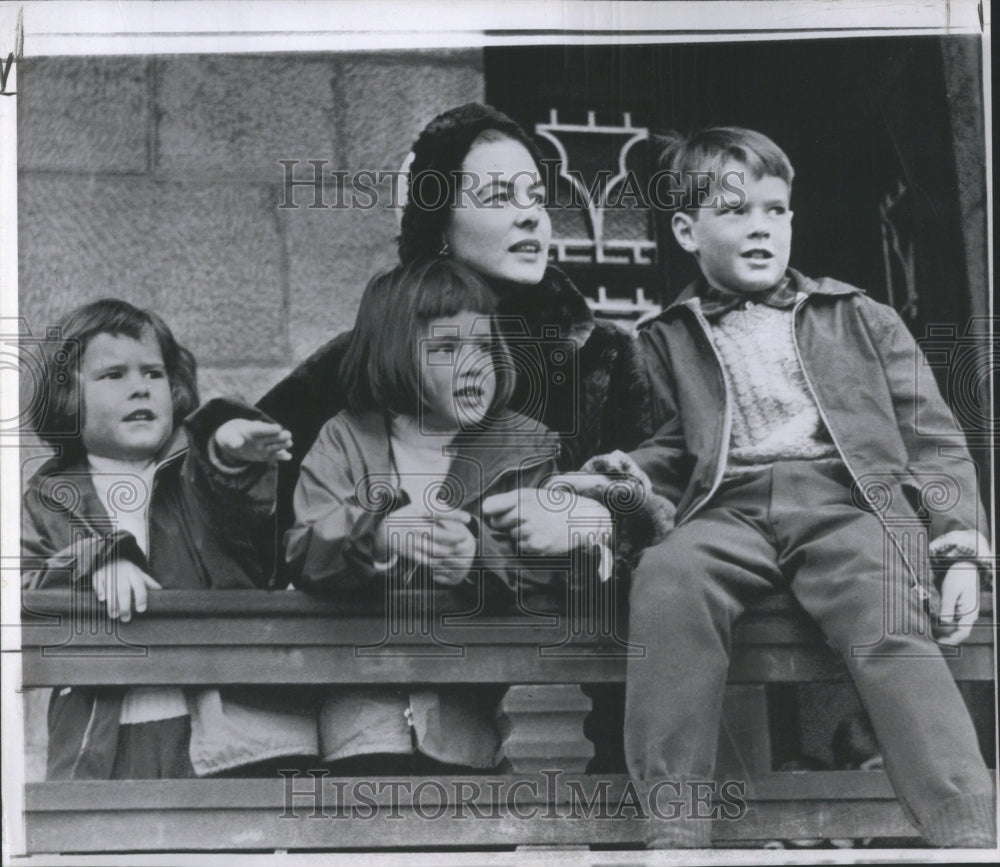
(156, 179)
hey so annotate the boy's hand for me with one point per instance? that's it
(245, 441)
(959, 602)
(122, 583)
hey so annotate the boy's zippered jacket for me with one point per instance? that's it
(876, 394)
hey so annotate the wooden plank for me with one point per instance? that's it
(277, 628)
(248, 637)
(521, 810)
(251, 830)
(241, 631)
(240, 603)
(551, 786)
(293, 603)
(317, 665)
(172, 644)
(191, 665)
(51, 618)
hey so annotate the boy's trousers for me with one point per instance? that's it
(794, 526)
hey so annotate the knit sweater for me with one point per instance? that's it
(774, 416)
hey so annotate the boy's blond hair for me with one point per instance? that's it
(696, 164)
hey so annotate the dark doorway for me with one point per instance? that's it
(857, 117)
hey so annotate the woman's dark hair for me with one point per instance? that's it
(382, 363)
(61, 421)
(438, 154)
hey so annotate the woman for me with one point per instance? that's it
(476, 194)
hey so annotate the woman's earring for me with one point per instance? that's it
(445, 250)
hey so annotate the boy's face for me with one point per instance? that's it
(128, 413)
(742, 239)
(457, 375)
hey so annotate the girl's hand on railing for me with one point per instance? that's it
(452, 566)
(427, 538)
(122, 584)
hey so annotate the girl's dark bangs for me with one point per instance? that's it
(448, 293)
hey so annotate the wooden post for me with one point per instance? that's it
(542, 728)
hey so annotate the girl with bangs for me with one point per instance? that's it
(390, 497)
(148, 491)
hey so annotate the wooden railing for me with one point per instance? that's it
(256, 637)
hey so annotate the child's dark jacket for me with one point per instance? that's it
(875, 392)
(198, 516)
(201, 524)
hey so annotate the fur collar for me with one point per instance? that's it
(555, 302)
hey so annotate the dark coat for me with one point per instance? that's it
(578, 377)
(201, 526)
(193, 542)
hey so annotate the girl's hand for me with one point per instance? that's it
(245, 441)
(959, 602)
(537, 528)
(408, 522)
(426, 538)
(121, 583)
(453, 568)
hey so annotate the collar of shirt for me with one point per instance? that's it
(715, 303)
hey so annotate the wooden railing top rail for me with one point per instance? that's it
(242, 637)
(293, 603)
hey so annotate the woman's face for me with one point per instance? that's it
(500, 227)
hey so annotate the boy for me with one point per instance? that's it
(783, 407)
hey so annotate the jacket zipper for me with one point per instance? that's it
(812, 391)
(727, 412)
(921, 591)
